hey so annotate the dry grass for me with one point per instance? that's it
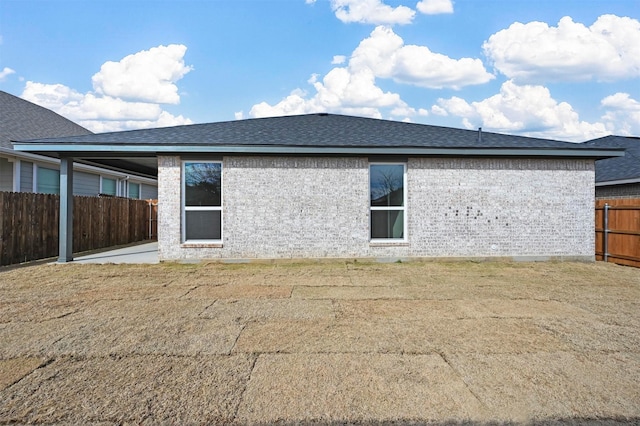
(328, 342)
(151, 389)
(12, 370)
(377, 385)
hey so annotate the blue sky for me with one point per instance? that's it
(562, 69)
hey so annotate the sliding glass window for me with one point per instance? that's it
(387, 183)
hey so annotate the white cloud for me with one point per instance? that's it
(352, 89)
(528, 110)
(622, 115)
(51, 96)
(6, 71)
(99, 113)
(621, 101)
(148, 75)
(371, 12)
(438, 110)
(454, 106)
(435, 7)
(340, 91)
(293, 104)
(338, 60)
(407, 112)
(238, 115)
(385, 53)
(165, 119)
(113, 106)
(607, 50)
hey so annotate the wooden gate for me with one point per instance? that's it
(618, 231)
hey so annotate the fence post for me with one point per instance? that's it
(605, 233)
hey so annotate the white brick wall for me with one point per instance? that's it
(318, 207)
(169, 208)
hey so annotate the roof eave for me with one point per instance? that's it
(619, 182)
(154, 149)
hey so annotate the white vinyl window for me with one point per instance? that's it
(388, 201)
(134, 190)
(48, 181)
(108, 186)
(201, 201)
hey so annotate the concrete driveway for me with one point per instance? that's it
(336, 342)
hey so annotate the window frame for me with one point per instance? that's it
(129, 190)
(102, 189)
(403, 208)
(44, 187)
(184, 208)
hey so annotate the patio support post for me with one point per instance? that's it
(65, 234)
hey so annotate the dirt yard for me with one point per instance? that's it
(337, 343)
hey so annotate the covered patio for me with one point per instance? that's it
(117, 160)
(140, 253)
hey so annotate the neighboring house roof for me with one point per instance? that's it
(311, 134)
(20, 119)
(618, 170)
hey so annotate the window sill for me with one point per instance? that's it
(201, 245)
(388, 244)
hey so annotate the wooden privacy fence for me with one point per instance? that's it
(29, 224)
(618, 231)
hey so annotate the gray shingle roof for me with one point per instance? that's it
(618, 168)
(315, 130)
(311, 134)
(20, 119)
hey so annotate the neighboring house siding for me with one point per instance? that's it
(6, 175)
(319, 207)
(631, 190)
(26, 176)
(86, 184)
(148, 192)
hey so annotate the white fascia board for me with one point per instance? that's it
(618, 182)
(140, 179)
(28, 156)
(113, 174)
(77, 166)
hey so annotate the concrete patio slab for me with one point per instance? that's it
(141, 253)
